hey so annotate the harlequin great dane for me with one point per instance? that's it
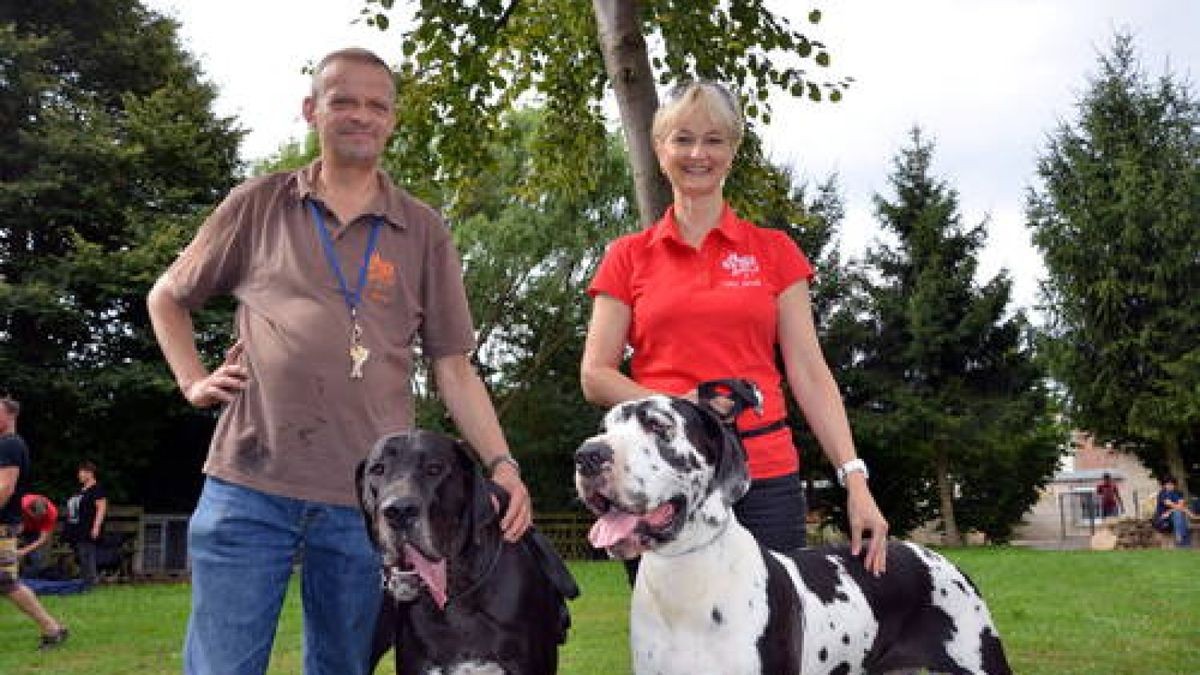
(459, 600)
(662, 477)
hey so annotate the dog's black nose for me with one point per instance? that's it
(591, 457)
(400, 513)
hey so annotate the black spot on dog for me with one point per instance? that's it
(842, 668)
(716, 616)
(820, 575)
(823, 654)
(845, 638)
(779, 644)
(993, 652)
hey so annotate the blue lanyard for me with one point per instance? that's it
(352, 298)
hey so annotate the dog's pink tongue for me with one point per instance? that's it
(432, 573)
(611, 528)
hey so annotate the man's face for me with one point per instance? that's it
(353, 112)
(6, 420)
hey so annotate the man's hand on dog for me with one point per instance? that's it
(520, 509)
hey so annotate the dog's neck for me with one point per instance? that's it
(700, 532)
(666, 573)
(475, 562)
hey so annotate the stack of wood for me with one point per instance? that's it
(1137, 533)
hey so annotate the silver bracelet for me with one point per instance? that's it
(850, 467)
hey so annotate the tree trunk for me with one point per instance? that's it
(627, 62)
(1175, 462)
(951, 536)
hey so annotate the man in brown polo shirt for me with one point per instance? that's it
(339, 276)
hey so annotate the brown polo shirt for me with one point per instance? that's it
(302, 424)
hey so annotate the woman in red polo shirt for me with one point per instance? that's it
(704, 295)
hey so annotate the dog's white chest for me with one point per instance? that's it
(701, 613)
(470, 668)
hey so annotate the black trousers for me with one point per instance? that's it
(774, 510)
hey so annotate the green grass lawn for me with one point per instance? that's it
(1058, 612)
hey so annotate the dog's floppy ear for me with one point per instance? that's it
(366, 508)
(730, 474)
(480, 509)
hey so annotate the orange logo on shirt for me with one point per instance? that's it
(381, 277)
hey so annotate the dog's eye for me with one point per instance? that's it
(660, 427)
(376, 469)
(434, 469)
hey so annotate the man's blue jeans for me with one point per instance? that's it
(242, 545)
(1179, 525)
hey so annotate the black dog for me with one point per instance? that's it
(458, 598)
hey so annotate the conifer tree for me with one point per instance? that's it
(1117, 216)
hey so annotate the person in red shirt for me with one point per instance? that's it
(39, 515)
(1111, 503)
(704, 295)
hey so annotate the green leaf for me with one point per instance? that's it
(381, 21)
(814, 16)
(822, 59)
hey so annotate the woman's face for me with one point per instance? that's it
(695, 154)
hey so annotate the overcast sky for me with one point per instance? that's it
(986, 79)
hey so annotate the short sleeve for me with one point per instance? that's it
(447, 327)
(789, 262)
(615, 271)
(214, 262)
(10, 452)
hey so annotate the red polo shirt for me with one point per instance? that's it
(709, 313)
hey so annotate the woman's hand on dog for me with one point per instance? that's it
(519, 516)
(865, 517)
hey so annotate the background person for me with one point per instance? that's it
(39, 517)
(338, 275)
(86, 511)
(14, 484)
(703, 295)
(1109, 494)
(1171, 513)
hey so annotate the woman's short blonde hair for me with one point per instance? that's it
(712, 98)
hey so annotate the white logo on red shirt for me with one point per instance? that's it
(743, 270)
(740, 265)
